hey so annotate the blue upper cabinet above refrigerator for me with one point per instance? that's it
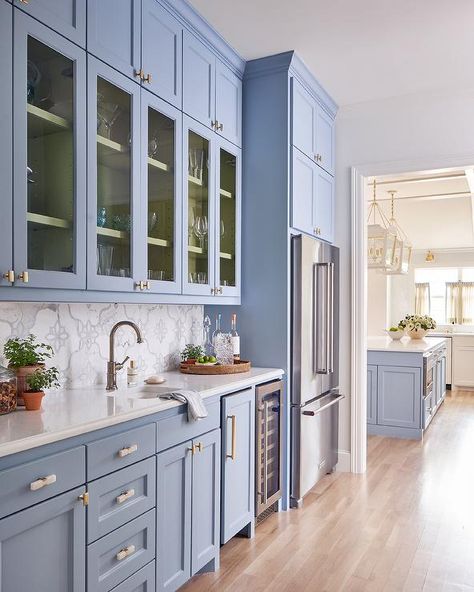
(67, 17)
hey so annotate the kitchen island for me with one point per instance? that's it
(406, 385)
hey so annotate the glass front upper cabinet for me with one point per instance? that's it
(161, 183)
(50, 124)
(114, 215)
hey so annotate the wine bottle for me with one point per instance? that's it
(235, 338)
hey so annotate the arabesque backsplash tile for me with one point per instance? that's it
(79, 334)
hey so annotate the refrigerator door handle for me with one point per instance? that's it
(324, 315)
(330, 319)
(324, 407)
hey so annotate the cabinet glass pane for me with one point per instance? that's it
(50, 153)
(198, 210)
(114, 215)
(161, 196)
(228, 215)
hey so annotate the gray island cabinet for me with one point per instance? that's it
(406, 385)
(136, 497)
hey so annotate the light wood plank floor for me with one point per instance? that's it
(406, 525)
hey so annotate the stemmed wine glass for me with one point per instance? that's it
(108, 114)
(200, 229)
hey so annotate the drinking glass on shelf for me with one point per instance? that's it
(222, 229)
(200, 229)
(101, 217)
(153, 145)
(202, 277)
(108, 114)
(105, 255)
(199, 163)
(152, 220)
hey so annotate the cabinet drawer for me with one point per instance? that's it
(118, 555)
(142, 581)
(41, 479)
(177, 429)
(116, 499)
(116, 452)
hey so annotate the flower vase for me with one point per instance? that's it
(417, 333)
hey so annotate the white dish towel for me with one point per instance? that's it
(196, 408)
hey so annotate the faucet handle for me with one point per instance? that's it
(120, 365)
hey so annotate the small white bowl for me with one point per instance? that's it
(395, 335)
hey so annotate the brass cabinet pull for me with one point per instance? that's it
(9, 276)
(24, 276)
(24, 1)
(214, 124)
(143, 285)
(213, 291)
(42, 482)
(139, 73)
(200, 447)
(233, 453)
(147, 78)
(84, 497)
(126, 495)
(125, 552)
(220, 290)
(317, 231)
(127, 450)
(196, 447)
(220, 127)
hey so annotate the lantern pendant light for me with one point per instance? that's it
(381, 238)
(402, 253)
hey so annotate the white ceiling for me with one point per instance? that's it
(358, 50)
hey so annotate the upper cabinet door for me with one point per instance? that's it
(67, 17)
(161, 158)
(113, 34)
(162, 52)
(199, 80)
(228, 214)
(6, 114)
(113, 216)
(303, 175)
(323, 205)
(304, 108)
(325, 141)
(50, 158)
(228, 104)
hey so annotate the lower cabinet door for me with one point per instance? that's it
(399, 396)
(173, 515)
(42, 549)
(141, 581)
(205, 500)
(238, 463)
(371, 394)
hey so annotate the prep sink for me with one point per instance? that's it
(149, 391)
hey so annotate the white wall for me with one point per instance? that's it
(397, 129)
(378, 294)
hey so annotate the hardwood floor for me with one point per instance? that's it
(406, 525)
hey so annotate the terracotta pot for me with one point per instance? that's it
(33, 400)
(417, 333)
(21, 373)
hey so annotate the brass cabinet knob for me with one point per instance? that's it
(9, 276)
(213, 290)
(24, 276)
(24, 1)
(219, 290)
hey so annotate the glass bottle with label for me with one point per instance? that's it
(235, 338)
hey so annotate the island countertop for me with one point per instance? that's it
(404, 345)
(71, 412)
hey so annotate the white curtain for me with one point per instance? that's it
(422, 299)
(453, 291)
(460, 303)
(467, 303)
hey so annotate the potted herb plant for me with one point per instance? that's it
(25, 356)
(191, 353)
(41, 379)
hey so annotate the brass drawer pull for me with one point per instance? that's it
(233, 453)
(125, 552)
(42, 482)
(127, 450)
(126, 495)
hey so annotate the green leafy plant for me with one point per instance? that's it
(42, 379)
(26, 352)
(417, 322)
(191, 352)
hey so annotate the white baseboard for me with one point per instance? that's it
(344, 462)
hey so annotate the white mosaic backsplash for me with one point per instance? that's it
(79, 334)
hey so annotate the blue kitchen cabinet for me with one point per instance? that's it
(6, 114)
(199, 80)
(323, 206)
(228, 103)
(371, 394)
(114, 33)
(43, 547)
(173, 516)
(67, 17)
(162, 52)
(399, 396)
(325, 152)
(238, 464)
(49, 216)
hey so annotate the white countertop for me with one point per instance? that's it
(68, 413)
(405, 344)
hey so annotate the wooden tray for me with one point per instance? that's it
(236, 368)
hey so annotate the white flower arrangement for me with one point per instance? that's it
(417, 323)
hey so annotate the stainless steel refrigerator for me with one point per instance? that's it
(315, 363)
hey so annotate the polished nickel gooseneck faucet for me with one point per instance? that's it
(112, 366)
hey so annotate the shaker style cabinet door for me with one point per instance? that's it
(325, 141)
(6, 113)
(228, 104)
(228, 217)
(238, 463)
(303, 173)
(43, 548)
(304, 111)
(67, 17)
(50, 157)
(113, 216)
(371, 394)
(199, 80)
(206, 500)
(162, 52)
(113, 34)
(399, 396)
(173, 515)
(161, 162)
(323, 205)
